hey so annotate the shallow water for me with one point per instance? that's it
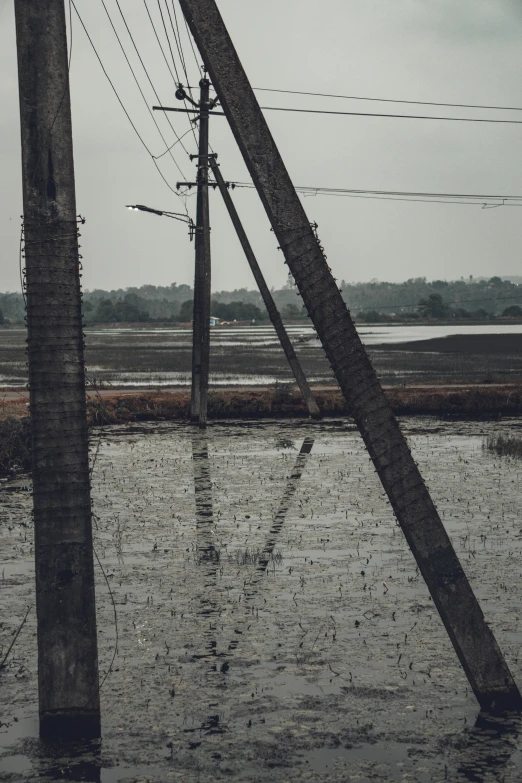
(272, 624)
(146, 356)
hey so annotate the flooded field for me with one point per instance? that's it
(147, 356)
(260, 615)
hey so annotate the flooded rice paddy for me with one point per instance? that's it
(161, 356)
(260, 615)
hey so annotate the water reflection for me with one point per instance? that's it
(488, 746)
(279, 519)
(208, 558)
(68, 761)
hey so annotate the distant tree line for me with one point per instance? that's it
(371, 301)
(413, 297)
(434, 307)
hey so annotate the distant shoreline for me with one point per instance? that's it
(475, 344)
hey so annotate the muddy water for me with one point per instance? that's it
(140, 357)
(271, 623)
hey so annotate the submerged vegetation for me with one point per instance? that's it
(504, 445)
(15, 445)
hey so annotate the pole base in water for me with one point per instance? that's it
(70, 725)
(500, 702)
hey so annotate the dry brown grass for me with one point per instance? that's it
(472, 401)
(465, 402)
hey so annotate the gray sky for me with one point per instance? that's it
(436, 50)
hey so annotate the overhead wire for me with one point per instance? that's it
(159, 43)
(110, 81)
(398, 195)
(390, 100)
(176, 79)
(177, 40)
(140, 137)
(168, 42)
(178, 139)
(391, 116)
(157, 157)
(148, 77)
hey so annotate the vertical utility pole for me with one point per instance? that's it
(458, 607)
(268, 299)
(67, 648)
(201, 320)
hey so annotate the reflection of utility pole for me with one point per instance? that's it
(291, 487)
(208, 558)
(201, 322)
(474, 642)
(268, 299)
(69, 703)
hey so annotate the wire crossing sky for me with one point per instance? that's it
(397, 174)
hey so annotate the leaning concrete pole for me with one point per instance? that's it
(268, 299)
(474, 642)
(67, 649)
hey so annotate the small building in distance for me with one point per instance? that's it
(214, 321)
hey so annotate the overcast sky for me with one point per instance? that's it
(433, 50)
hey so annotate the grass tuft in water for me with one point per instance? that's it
(251, 556)
(504, 445)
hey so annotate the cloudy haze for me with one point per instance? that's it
(428, 50)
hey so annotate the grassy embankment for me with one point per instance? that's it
(471, 401)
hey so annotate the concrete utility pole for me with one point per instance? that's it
(268, 299)
(201, 321)
(65, 605)
(474, 642)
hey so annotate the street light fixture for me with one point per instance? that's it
(174, 215)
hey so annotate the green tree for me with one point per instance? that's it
(291, 311)
(1, 317)
(105, 311)
(186, 311)
(433, 306)
(514, 311)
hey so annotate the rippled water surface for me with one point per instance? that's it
(158, 357)
(271, 622)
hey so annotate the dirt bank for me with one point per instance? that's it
(116, 407)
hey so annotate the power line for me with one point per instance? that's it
(390, 116)
(158, 40)
(168, 149)
(179, 46)
(177, 39)
(168, 42)
(398, 195)
(390, 100)
(153, 158)
(157, 157)
(148, 77)
(110, 81)
(176, 79)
